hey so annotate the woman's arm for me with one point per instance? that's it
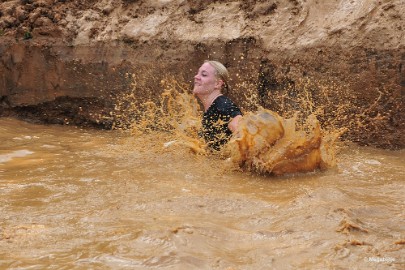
(233, 124)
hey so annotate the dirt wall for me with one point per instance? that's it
(67, 61)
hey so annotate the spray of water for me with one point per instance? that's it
(175, 114)
(298, 134)
(268, 143)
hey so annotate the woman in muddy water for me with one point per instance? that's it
(221, 115)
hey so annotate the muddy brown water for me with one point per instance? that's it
(88, 199)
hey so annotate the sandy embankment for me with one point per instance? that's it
(65, 61)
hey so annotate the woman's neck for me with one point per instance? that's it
(209, 99)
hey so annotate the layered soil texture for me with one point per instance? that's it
(69, 62)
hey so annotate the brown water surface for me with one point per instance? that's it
(87, 199)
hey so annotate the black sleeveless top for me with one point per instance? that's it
(215, 122)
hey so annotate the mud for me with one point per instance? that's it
(83, 198)
(82, 51)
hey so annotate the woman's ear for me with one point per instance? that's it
(219, 84)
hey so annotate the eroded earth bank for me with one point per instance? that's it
(68, 62)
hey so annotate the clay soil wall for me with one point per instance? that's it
(67, 62)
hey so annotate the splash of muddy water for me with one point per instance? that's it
(265, 141)
(268, 143)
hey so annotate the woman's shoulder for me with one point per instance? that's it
(224, 104)
(223, 101)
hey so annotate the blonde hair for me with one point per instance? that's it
(221, 72)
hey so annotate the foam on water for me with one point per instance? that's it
(15, 154)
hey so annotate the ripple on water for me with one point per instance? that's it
(15, 154)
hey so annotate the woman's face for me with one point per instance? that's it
(205, 81)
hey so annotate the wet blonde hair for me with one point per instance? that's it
(220, 72)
